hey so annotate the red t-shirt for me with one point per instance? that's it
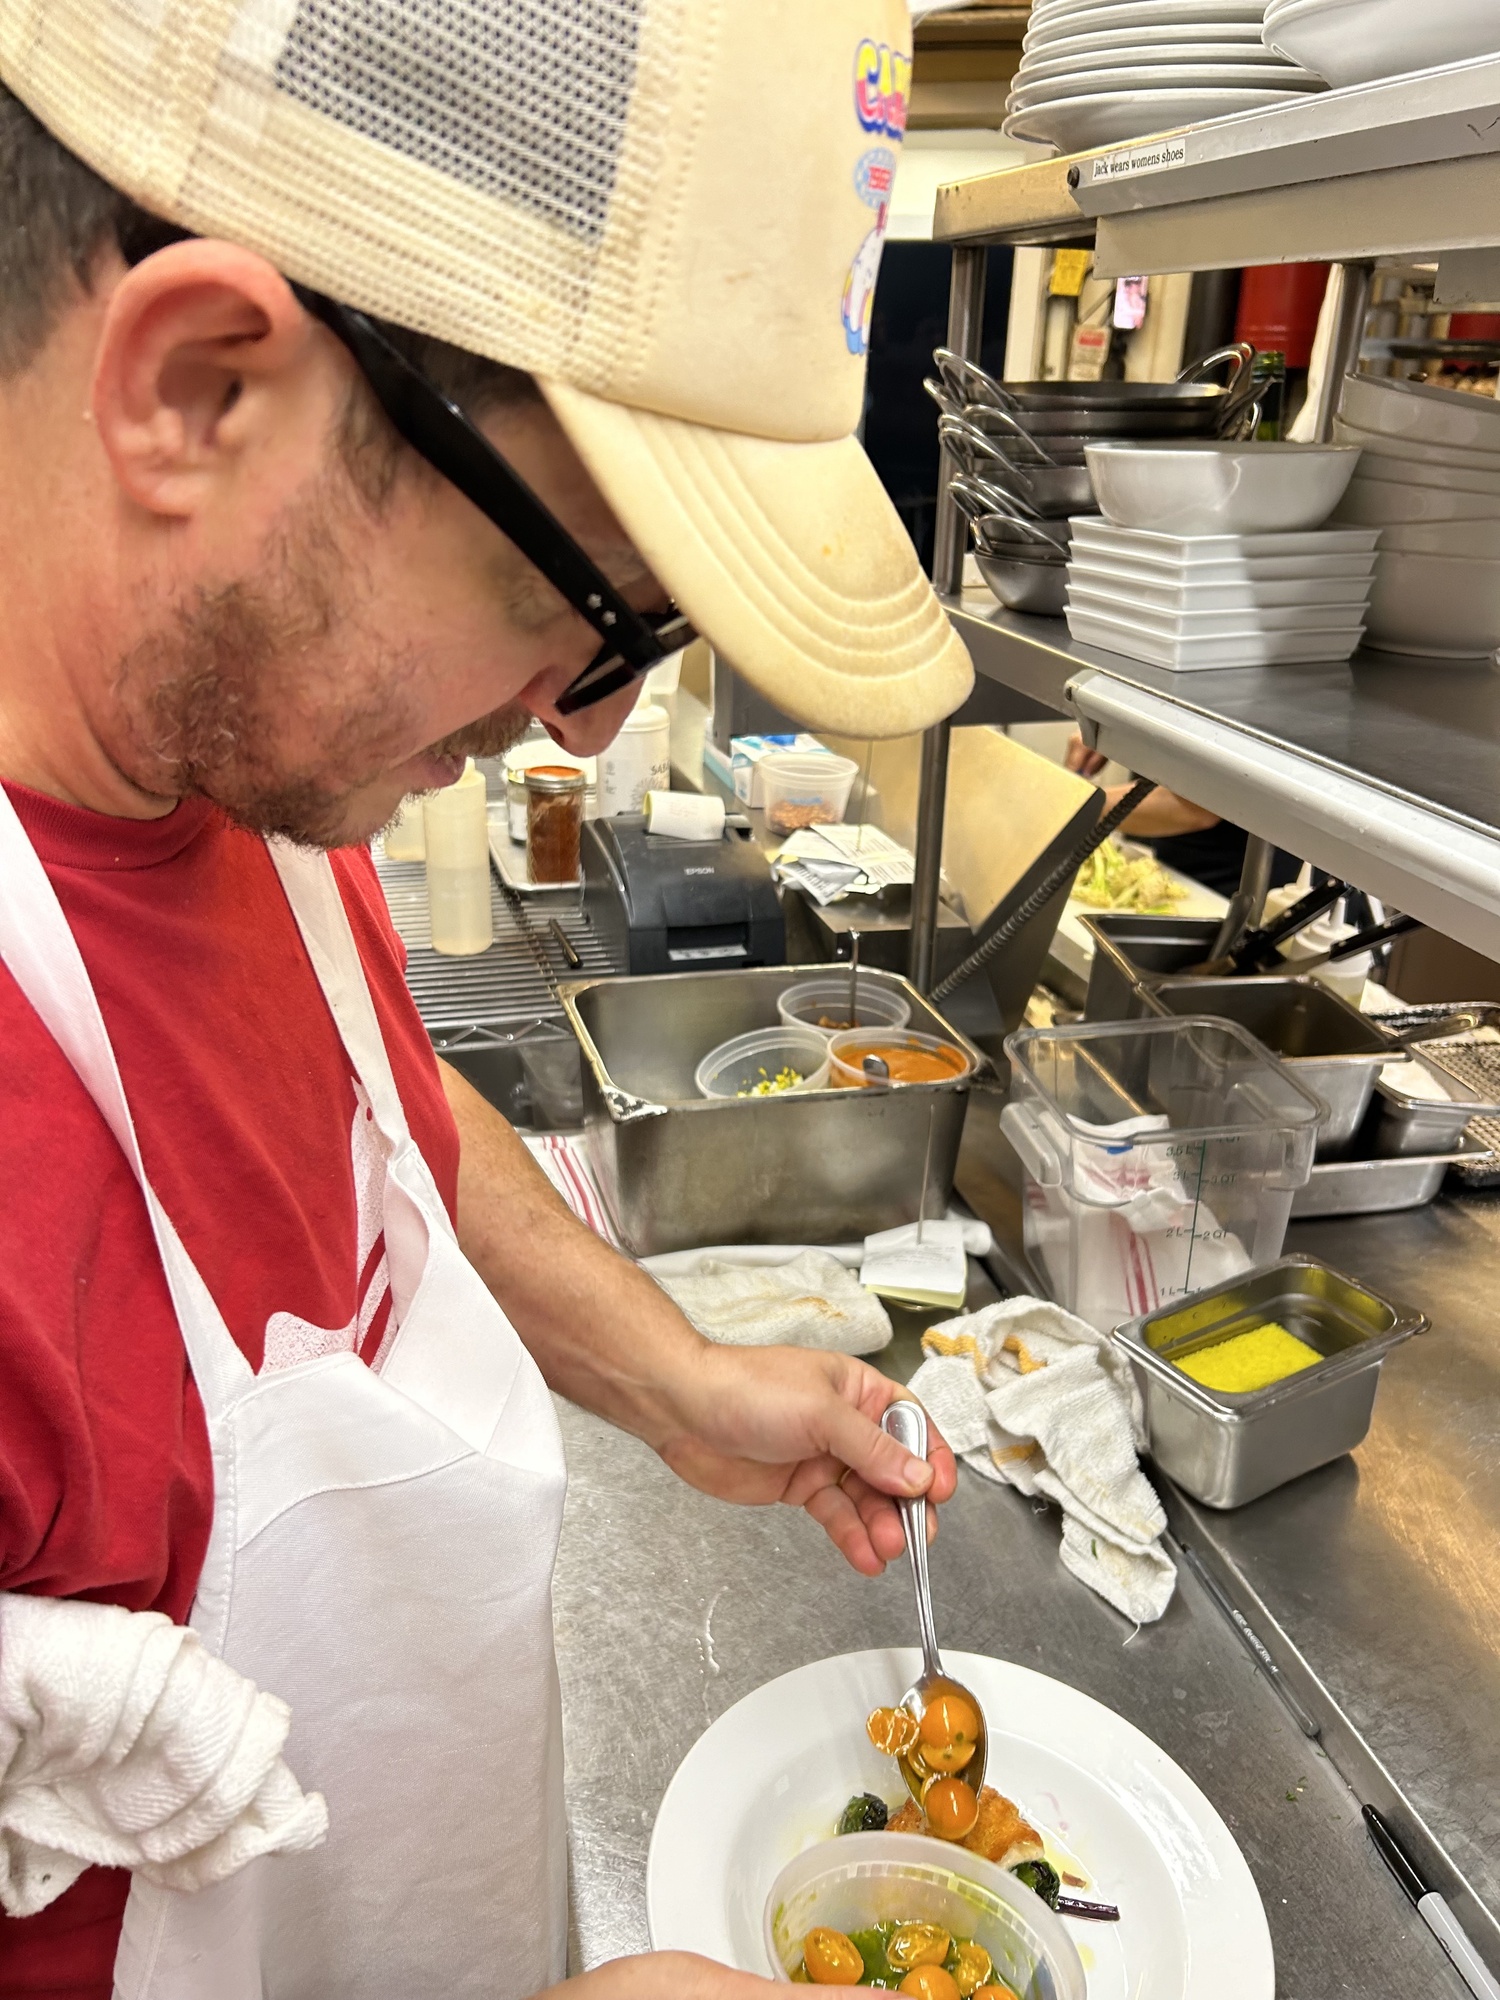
(255, 1139)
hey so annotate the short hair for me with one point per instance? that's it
(58, 218)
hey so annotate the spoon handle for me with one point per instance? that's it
(906, 1421)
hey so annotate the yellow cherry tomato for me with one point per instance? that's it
(973, 1968)
(994, 1991)
(929, 1982)
(912, 1945)
(951, 1807)
(832, 1959)
(949, 1733)
(893, 1731)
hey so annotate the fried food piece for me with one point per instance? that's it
(910, 1819)
(1000, 1834)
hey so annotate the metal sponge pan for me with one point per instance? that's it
(1229, 1449)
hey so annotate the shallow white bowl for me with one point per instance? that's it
(1068, 59)
(1415, 410)
(1068, 16)
(1383, 503)
(1108, 117)
(1476, 541)
(1153, 77)
(1212, 488)
(1445, 606)
(1415, 472)
(1417, 450)
(1355, 41)
(1238, 36)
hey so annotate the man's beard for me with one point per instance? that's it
(211, 694)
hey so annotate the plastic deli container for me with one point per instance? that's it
(746, 1065)
(805, 788)
(824, 1004)
(862, 1879)
(1159, 1158)
(908, 1058)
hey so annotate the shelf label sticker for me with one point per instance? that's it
(1155, 157)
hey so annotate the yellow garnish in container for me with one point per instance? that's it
(1248, 1361)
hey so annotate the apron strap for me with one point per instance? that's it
(43, 958)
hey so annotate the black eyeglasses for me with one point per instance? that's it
(632, 641)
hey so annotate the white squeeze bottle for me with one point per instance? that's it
(406, 836)
(458, 866)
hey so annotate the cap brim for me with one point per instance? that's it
(788, 558)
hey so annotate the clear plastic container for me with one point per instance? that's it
(861, 1879)
(805, 788)
(908, 1056)
(824, 1004)
(1160, 1157)
(742, 1066)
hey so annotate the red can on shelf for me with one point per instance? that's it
(1279, 307)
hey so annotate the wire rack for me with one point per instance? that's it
(492, 994)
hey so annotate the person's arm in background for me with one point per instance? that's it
(1159, 816)
(754, 1425)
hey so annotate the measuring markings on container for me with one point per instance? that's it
(1154, 158)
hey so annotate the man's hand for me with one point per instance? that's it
(663, 1975)
(763, 1424)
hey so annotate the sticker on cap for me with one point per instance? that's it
(859, 287)
(882, 88)
(874, 176)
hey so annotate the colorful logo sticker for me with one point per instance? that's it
(882, 88)
(859, 288)
(874, 176)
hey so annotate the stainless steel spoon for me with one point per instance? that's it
(906, 1422)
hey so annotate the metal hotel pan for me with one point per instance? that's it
(1129, 950)
(1382, 1185)
(1229, 1449)
(679, 1171)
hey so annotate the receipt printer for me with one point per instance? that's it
(664, 905)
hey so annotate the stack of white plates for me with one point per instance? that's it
(1429, 479)
(1097, 71)
(1356, 41)
(1195, 601)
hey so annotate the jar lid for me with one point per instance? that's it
(553, 779)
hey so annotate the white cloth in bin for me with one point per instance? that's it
(1135, 1232)
(1029, 1395)
(811, 1301)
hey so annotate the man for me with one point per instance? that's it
(266, 1265)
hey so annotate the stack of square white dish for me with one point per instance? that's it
(1194, 601)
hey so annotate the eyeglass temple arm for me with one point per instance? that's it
(463, 455)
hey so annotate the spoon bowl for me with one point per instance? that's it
(906, 1421)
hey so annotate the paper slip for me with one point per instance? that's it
(934, 1272)
(883, 862)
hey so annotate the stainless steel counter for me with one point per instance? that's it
(670, 1607)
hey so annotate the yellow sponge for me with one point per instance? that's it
(1252, 1360)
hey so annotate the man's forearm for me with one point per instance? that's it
(602, 1333)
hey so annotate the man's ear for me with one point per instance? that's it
(204, 349)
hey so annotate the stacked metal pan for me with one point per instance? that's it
(1017, 453)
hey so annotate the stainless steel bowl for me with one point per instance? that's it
(1228, 1450)
(1025, 584)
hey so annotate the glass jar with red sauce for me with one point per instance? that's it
(554, 822)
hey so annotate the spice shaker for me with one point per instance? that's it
(554, 823)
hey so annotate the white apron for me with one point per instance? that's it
(381, 1558)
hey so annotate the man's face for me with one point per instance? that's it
(320, 642)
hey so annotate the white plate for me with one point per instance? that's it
(1130, 13)
(770, 1777)
(1356, 41)
(1064, 60)
(1078, 124)
(1169, 592)
(1444, 417)
(1236, 622)
(1072, 82)
(1457, 458)
(1090, 533)
(1377, 466)
(1383, 503)
(1236, 35)
(1248, 649)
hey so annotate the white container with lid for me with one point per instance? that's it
(456, 826)
(638, 761)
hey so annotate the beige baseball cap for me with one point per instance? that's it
(669, 211)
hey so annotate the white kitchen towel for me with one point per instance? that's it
(1030, 1395)
(125, 1742)
(812, 1301)
(977, 1241)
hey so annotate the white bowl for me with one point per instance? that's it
(1415, 410)
(1417, 450)
(1356, 41)
(1213, 488)
(1382, 503)
(1413, 472)
(1475, 541)
(746, 1060)
(1445, 607)
(862, 1879)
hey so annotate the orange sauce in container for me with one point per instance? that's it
(908, 1057)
